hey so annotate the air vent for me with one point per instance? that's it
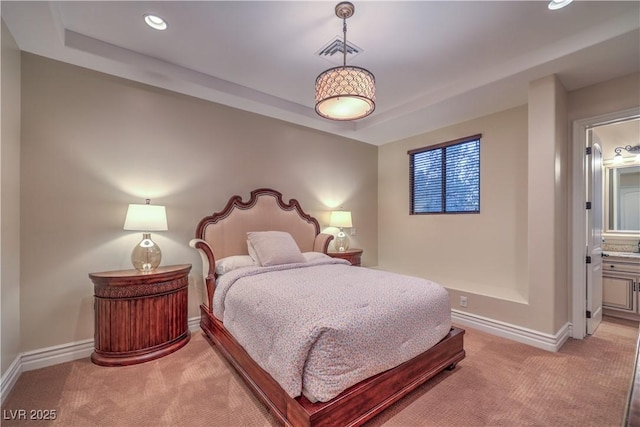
(334, 51)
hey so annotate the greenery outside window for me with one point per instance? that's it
(445, 178)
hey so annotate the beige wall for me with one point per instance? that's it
(482, 256)
(92, 143)
(10, 200)
(607, 97)
(506, 259)
(511, 260)
(562, 202)
(547, 205)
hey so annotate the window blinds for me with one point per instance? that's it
(446, 178)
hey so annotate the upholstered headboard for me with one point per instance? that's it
(224, 233)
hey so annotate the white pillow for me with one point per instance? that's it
(312, 256)
(230, 263)
(252, 252)
(274, 247)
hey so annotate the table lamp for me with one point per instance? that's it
(341, 219)
(146, 256)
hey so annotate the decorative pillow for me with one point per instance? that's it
(230, 263)
(312, 256)
(274, 247)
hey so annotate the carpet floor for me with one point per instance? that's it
(499, 383)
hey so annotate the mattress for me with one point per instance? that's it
(319, 327)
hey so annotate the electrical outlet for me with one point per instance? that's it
(353, 231)
(463, 301)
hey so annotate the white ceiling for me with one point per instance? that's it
(620, 134)
(436, 62)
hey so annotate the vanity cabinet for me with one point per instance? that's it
(621, 286)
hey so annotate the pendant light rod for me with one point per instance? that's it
(344, 10)
(344, 42)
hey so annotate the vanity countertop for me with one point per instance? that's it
(635, 255)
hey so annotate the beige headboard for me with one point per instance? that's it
(224, 233)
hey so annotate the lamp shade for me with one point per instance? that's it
(340, 219)
(617, 159)
(345, 93)
(146, 218)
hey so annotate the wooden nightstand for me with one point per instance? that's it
(352, 255)
(140, 316)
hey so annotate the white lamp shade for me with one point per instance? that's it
(146, 218)
(345, 93)
(340, 219)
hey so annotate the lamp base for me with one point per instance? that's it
(146, 256)
(341, 243)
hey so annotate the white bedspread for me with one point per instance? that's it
(323, 326)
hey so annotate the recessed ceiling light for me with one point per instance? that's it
(155, 22)
(558, 4)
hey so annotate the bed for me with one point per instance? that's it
(281, 312)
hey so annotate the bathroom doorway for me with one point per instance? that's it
(584, 285)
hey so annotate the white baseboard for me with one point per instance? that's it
(621, 314)
(513, 332)
(194, 324)
(50, 356)
(9, 378)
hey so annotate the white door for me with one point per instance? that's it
(594, 233)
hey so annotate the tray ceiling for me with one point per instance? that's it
(436, 62)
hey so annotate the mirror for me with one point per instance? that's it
(622, 192)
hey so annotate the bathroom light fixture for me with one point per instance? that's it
(155, 22)
(341, 220)
(558, 4)
(617, 159)
(345, 92)
(146, 256)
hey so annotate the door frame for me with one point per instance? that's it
(578, 218)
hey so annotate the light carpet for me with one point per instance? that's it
(499, 383)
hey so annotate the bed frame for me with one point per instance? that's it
(224, 234)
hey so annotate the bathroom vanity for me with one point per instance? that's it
(621, 284)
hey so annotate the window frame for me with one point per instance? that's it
(441, 146)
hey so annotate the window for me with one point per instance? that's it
(445, 178)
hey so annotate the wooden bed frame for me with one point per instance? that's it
(223, 234)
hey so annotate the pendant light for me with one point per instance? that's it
(345, 92)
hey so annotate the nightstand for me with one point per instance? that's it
(140, 316)
(352, 255)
